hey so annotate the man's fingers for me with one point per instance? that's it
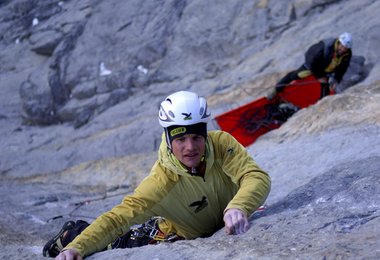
(241, 225)
(228, 226)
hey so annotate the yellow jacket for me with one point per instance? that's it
(192, 205)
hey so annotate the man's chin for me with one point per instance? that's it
(191, 163)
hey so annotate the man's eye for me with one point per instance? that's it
(197, 137)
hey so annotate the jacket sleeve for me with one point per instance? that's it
(254, 183)
(134, 209)
(314, 59)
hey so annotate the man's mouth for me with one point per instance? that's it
(193, 155)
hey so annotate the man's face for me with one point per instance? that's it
(341, 49)
(189, 149)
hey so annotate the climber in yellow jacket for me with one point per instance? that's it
(201, 182)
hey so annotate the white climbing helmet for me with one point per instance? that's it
(346, 40)
(183, 108)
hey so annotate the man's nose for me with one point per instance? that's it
(190, 144)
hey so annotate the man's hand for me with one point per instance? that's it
(69, 254)
(332, 83)
(323, 80)
(235, 222)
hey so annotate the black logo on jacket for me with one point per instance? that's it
(199, 205)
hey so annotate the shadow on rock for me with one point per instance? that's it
(352, 188)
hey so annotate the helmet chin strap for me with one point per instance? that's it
(167, 139)
(195, 170)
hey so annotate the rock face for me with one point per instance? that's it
(81, 82)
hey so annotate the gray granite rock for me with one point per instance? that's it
(81, 82)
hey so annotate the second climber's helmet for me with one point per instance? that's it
(346, 40)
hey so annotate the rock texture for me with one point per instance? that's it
(81, 82)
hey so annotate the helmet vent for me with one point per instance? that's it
(171, 114)
(201, 111)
